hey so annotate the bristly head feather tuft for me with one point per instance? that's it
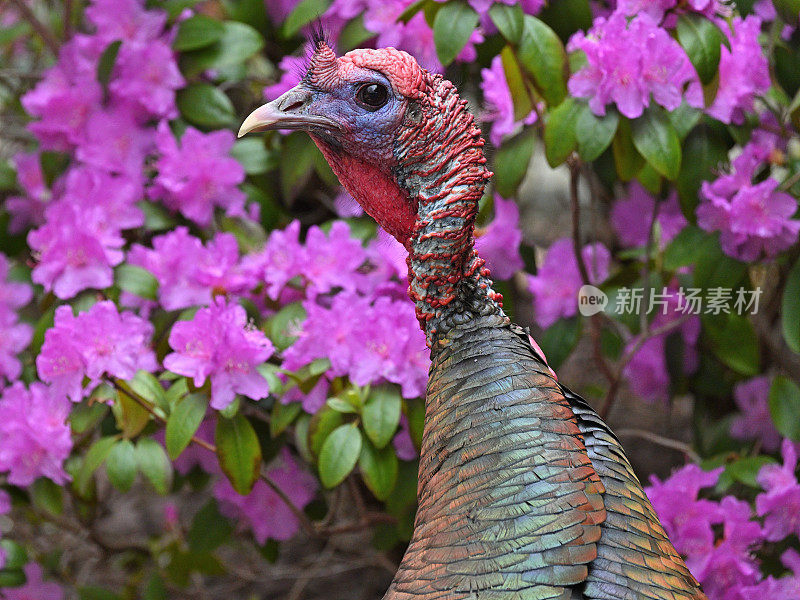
(317, 35)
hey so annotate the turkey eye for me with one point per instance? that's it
(372, 96)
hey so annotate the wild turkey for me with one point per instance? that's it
(524, 492)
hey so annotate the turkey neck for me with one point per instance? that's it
(440, 163)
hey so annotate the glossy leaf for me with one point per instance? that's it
(239, 452)
(378, 469)
(209, 529)
(183, 422)
(381, 415)
(734, 342)
(282, 416)
(121, 465)
(511, 162)
(238, 42)
(303, 14)
(154, 464)
(627, 159)
(205, 105)
(196, 32)
(657, 141)
(784, 406)
(703, 152)
(516, 83)
(322, 424)
(339, 454)
(136, 280)
(105, 65)
(542, 54)
(509, 21)
(559, 131)
(790, 308)
(593, 133)
(96, 455)
(703, 41)
(452, 28)
(252, 155)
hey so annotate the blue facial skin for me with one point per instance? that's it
(368, 133)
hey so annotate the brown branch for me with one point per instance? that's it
(67, 20)
(44, 33)
(661, 441)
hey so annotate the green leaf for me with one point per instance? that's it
(95, 457)
(284, 324)
(11, 578)
(354, 34)
(734, 342)
(136, 280)
(297, 157)
(183, 422)
(322, 424)
(340, 405)
(626, 158)
(47, 495)
(237, 43)
(381, 415)
(516, 83)
(206, 106)
(239, 452)
(282, 416)
(339, 454)
(687, 247)
(703, 151)
(16, 557)
(196, 32)
(378, 469)
(131, 416)
(657, 141)
(305, 12)
(511, 162)
(452, 28)
(86, 415)
(175, 392)
(790, 308)
(559, 131)
(509, 21)
(154, 464)
(121, 465)
(542, 54)
(106, 63)
(155, 588)
(593, 133)
(745, 469)
(209, 529)
(93, 592)
(148, 387)
(702, 40)
(684, 118)
(558, 340)
(788, 10)
(784, 406)
(567, 16)
(13, 32)
(252, 155)
(415, 411)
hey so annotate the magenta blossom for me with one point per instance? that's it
(35, 588)
(499, 104)
(280, 260)
(114, 141)
(34, 434)
(16, 336)
(784, 588)
(780, 502)
(292, 70)
(28, 209)
(754, 422)
(263, 509)
(631, 217)
(198, 175)
(499, 243)
(627, 63)
(125, 20)
(555, 286)
(100, 341)
(311, 401)
(218, 344)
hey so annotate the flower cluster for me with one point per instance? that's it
(631, 217)
(499, 242)
(754, 219)
(754, 421)
(219, 344)
(101, 341)
(16, 336)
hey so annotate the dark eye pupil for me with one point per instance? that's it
(372, 95)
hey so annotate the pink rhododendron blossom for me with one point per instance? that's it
(198, 175)
(331, 260)
(346, 206)
(34, 434)
(780, 502)
(292, 69)
(499, 242)
(370, 341)
(754, 219)
(631, 217)
(743, 72)
(219, 344)
(311, 401)
(657, 8)
(555, 286)
(279, 261)
(754, 421)
(263, 509)
(627, 63)
(100, 341)
(16, 336)
(28, 209)
(783, 588)
(188, 272)
(499, 104)
(402, 443)
(125, 20)
(278, 10)
(35, 588)
(114, 141)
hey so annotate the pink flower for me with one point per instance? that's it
(313, 400)
(626, 63)
(35, 588)
(28, 209)
(292, 71)
(279, 261)
(743, 72)
(16, 336)
(754, 421)
(555, 286)
(754, 219)
(34, 435)
(198, 175)
(331, 259)
(218, 344)
(631, 217)
(125, 20)
(262, 509)
(499, 104)
(780, 502)
(189, 273)
(97, 342)
(148, 76)
(499, 243)
(114, 141)
(785, 588)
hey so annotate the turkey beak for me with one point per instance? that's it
(290, 111)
